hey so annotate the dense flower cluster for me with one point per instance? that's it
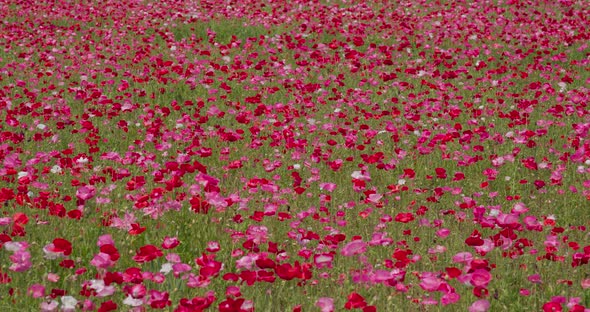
(327, 155)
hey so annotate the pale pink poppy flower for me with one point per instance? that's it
(354, 248)
(430, 282)
(102, 260)
(86, 192)
(49, 306)
(105, 240)
(52, 277)
(480, 306)
(463, 257)
(325, 304)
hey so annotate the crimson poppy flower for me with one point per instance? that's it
(404, 217)
(355, 301)
(147, 253)
(287, 271)
(59, 246)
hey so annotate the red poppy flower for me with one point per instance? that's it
(61, 245)
(136, 229)
(287, 271)
(107, 306)
(355, 301)
(147, 253)
(404, 217)
(111, 251)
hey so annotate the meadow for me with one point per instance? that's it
(325, 155)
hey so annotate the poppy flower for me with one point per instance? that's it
(147, 253)
(355, 301)
(58, 248)
(325, 304)
(287, 271)
(404, 217)
(354, 248)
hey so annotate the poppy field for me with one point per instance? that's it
(325, 155)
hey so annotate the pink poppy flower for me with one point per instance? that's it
(480, 306)
(325, 304)
(354, 248)
(86, 192)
